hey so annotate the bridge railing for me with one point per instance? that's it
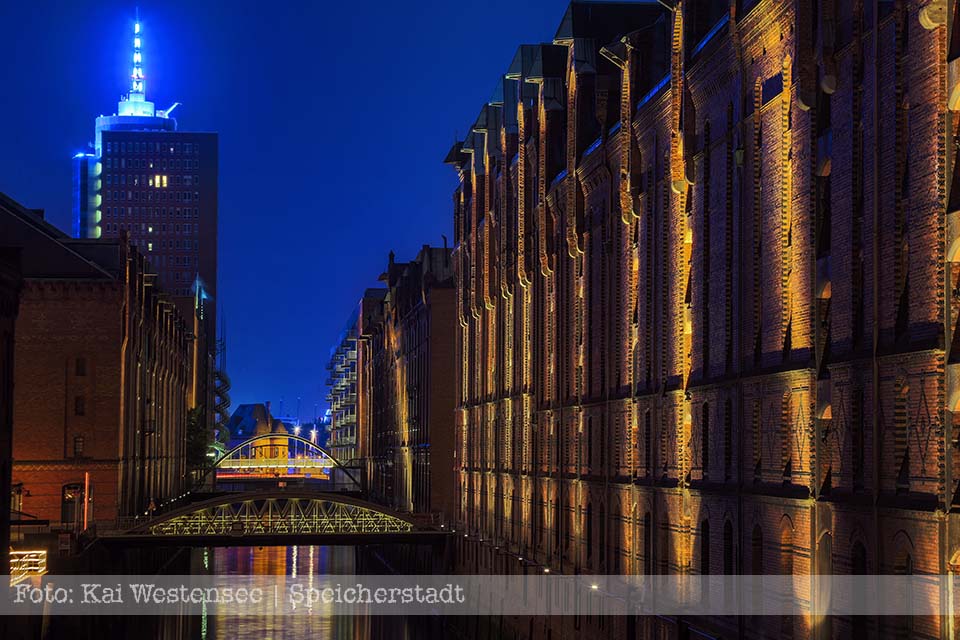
(276, 463)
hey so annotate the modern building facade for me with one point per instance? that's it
(10, 284)
(407, 395)
(342, 395)
(102, 378)
(706, 289)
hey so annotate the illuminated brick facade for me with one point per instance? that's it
(102, 378)
(406, 369)
(706, 294)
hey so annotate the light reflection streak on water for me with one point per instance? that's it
(280, 561)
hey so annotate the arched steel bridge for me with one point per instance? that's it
(275, 517)
(279, 455)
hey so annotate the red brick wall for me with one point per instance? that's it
(61, 322)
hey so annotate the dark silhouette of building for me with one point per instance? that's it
(9, 303)
(706, 277)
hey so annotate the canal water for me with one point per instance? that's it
(305, 562)
(301, 562)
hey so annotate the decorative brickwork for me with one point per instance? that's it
(740, 324)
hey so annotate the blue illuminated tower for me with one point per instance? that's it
(134, 113)
(156, 184)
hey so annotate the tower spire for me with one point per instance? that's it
(136, 78)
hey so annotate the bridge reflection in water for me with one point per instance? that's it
(304, 562)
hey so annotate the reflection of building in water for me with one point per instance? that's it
(304, 563)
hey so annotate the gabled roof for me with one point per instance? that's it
(604, 21)
(49, 252)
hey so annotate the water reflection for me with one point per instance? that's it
(303, 562)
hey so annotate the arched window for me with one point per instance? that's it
(588, 525)
(603, 536)
(647, 544)
(728, 439)
(557, 520)
(705, 440)
(665, 548)
(704, 558)
(904, 624)
(824, 564)
(705, 548)
(617, 523)
(786, 568)
(756, 565)
(858, 567)
(728, 548)
(647, 443)
(756, 551)
(858, 559)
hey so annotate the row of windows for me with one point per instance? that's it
(162, 261)
(157, 181)
(137, 196)
(177, 148)
(141, 163)
(179, 245)
(155, 212)
(150, 229)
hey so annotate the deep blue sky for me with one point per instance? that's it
(334, 119)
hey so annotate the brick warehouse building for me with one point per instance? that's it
(706, 289)
(102, 377)
(406, 396)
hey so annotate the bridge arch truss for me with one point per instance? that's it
(276, 514)
(278, 455)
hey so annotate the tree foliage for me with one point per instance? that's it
(199, 437)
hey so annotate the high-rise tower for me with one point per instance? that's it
(156, 183)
